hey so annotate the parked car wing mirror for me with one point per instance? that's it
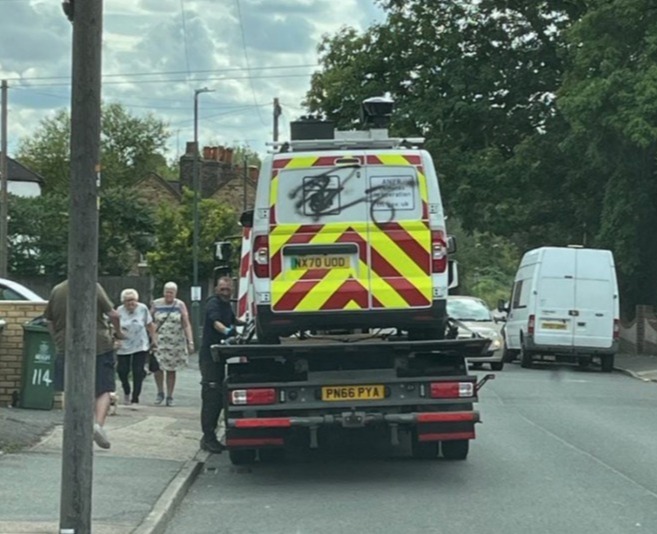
(451, 244)
(501, 306)
(246, 219)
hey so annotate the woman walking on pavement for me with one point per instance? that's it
(137, 326)
(174, 340)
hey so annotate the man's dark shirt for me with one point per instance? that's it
(215, 310)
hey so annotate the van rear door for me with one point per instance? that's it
(594, 299)
(399, 232)
(555, 298)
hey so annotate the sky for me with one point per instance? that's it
(156, 53)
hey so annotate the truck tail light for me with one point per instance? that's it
(438, 252)
(443, 390)
(261, 256)
(531, 325)
(246, 397)
(616, 329)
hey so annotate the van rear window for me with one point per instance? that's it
(346, 194)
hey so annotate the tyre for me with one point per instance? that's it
(607, 363)
(455, 450)
(272, 456)
(509, 355)
(423, 450)
(242, 456)
(525, 358)
(497, 366)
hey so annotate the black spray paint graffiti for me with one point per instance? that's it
(318, 195)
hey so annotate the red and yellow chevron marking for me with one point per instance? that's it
(393, 269)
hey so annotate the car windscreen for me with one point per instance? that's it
(468, 310)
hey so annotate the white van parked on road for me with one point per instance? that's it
(565, 305)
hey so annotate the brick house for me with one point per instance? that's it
(220, 178)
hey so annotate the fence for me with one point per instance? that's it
(639, 336)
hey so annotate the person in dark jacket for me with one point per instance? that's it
(219, 324)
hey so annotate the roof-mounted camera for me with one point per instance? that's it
(375, 112)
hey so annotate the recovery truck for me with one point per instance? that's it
(343, 283)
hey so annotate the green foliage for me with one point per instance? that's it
(38, 230)
(172, 258)
(541, 117)
(131, 147)
(487, 264)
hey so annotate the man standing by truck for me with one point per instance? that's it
(219, 324)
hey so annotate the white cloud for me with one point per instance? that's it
(154, 56)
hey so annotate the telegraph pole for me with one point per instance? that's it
(77, 447)
(4, 208)
(277, 113)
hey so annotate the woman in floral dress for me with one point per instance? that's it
(174, 335)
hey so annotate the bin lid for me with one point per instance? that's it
(38, 324)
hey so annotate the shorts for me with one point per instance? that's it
(105, 366)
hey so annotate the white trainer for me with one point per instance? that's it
(100, 437)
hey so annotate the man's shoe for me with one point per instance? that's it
(160, 398)
(169, 401)
(126, 399)
(100, 437)
(211, 445)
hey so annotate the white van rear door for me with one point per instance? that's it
(594, 299)
(555, 304)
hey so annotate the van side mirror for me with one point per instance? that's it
(451, 244)
(501, 306)
(246, 219)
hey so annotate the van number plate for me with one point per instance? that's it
(345, 393)
(323, 261)
(553, 326)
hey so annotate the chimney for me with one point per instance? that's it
(207, 152)
(190, 148)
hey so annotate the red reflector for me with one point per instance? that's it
(446, 417)
(531, 325)
(253, 396)
(438, 251)
(261, 256)
(271, 422)
(441, 390)
(616, 329)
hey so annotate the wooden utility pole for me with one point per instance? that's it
(277, 113)
(77, 448)
(4, 179)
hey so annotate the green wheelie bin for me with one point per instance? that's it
(37, 391)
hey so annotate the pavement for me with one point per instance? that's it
(138, 483)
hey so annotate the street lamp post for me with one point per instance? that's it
(196, 290)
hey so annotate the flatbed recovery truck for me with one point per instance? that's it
(312, 384)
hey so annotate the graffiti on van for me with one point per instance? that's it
(324, 195)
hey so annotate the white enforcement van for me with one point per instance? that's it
(348, 231)
(564, 305)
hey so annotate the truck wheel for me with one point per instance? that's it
(607, 363)
(423, 450)
(272, 456)
(455, 450)
(497, 366)
(264, 337)
(242, 456)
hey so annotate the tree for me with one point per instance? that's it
(609, 98)
(131, 147)
(38, 231)
(172, 257)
